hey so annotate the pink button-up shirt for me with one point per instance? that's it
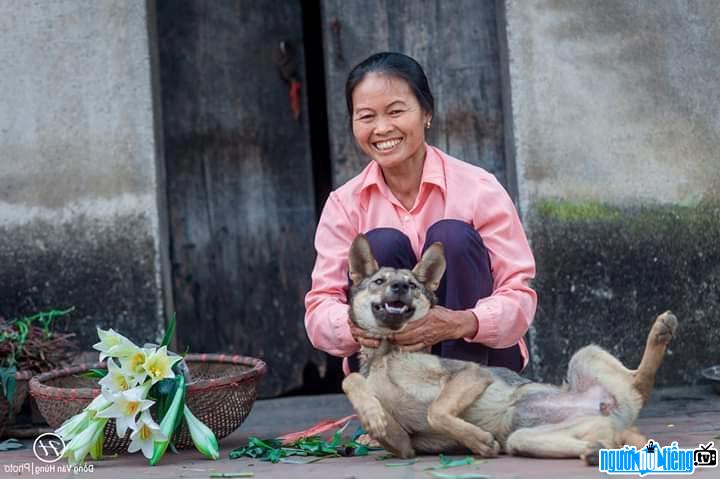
(449, 189)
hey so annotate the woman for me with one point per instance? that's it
(409, 196)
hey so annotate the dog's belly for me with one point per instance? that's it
(551, 407)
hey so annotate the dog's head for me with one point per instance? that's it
(383, 300)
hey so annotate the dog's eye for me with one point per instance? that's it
(413, 286)
(379, 281)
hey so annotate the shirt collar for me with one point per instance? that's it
(433, 174)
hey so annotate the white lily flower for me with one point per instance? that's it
(75, 425)
(116, 379)
(79, 422)
(146, 432)
(98, 404)
(113, 344)
(134, 365)
(80, 445)
(126, 405)
(159, 365)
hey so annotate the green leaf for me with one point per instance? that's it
(446, 462)
(361, 450)
(163, 391)
(96, 450)
(169, 331)
(467, 475)
(11, 444)
(7, 378)
(275, 455)
(336, 440)
(94, 373)
(400, 464)
(170, 421)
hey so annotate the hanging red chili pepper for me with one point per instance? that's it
(287, 63)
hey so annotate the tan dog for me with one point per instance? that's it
(419, 402)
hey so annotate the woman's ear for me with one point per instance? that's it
(429, 271)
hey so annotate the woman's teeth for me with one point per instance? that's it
(386, 145)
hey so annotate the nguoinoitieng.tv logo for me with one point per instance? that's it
(654, 459)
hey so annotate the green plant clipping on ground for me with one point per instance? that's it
(274, 450)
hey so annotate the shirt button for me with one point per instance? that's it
(407, 219)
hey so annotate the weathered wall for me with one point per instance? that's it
(79, 187)
(616, 117)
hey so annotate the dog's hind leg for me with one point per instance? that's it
(380, 425)
(558, 445)
(660, 335)
(629, 437)
(576, 438)
(455, 397)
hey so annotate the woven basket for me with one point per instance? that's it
(7, 416)
(221, 392)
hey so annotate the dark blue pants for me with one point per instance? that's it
(467, 279)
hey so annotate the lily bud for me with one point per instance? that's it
(203, 438)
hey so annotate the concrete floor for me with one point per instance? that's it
(688, 416)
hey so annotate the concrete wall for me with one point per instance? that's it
(616, 119)
(79, 177)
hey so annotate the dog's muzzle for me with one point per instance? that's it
(396, 306)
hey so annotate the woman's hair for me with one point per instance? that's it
(397, 65)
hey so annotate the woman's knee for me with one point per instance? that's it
(391, 247)
(457, 237)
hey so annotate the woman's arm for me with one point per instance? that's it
(326, 309)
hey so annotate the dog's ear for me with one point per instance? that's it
(429, 271)
(361, 260)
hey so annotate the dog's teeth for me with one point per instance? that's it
(394, 309)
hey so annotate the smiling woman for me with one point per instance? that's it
(388, 124)
(410, 195)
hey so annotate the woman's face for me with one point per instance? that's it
(388, 121)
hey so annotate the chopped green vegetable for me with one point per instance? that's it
(446, 462)
(468, 475)
(274, 450)
(11, 444)
(400, 464)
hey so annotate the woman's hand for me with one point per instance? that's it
(363, 337)
(439, 324)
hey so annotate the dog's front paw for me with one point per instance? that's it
(483, 443)
(488, 449)
(372, 417)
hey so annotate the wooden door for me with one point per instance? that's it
(239, 182)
